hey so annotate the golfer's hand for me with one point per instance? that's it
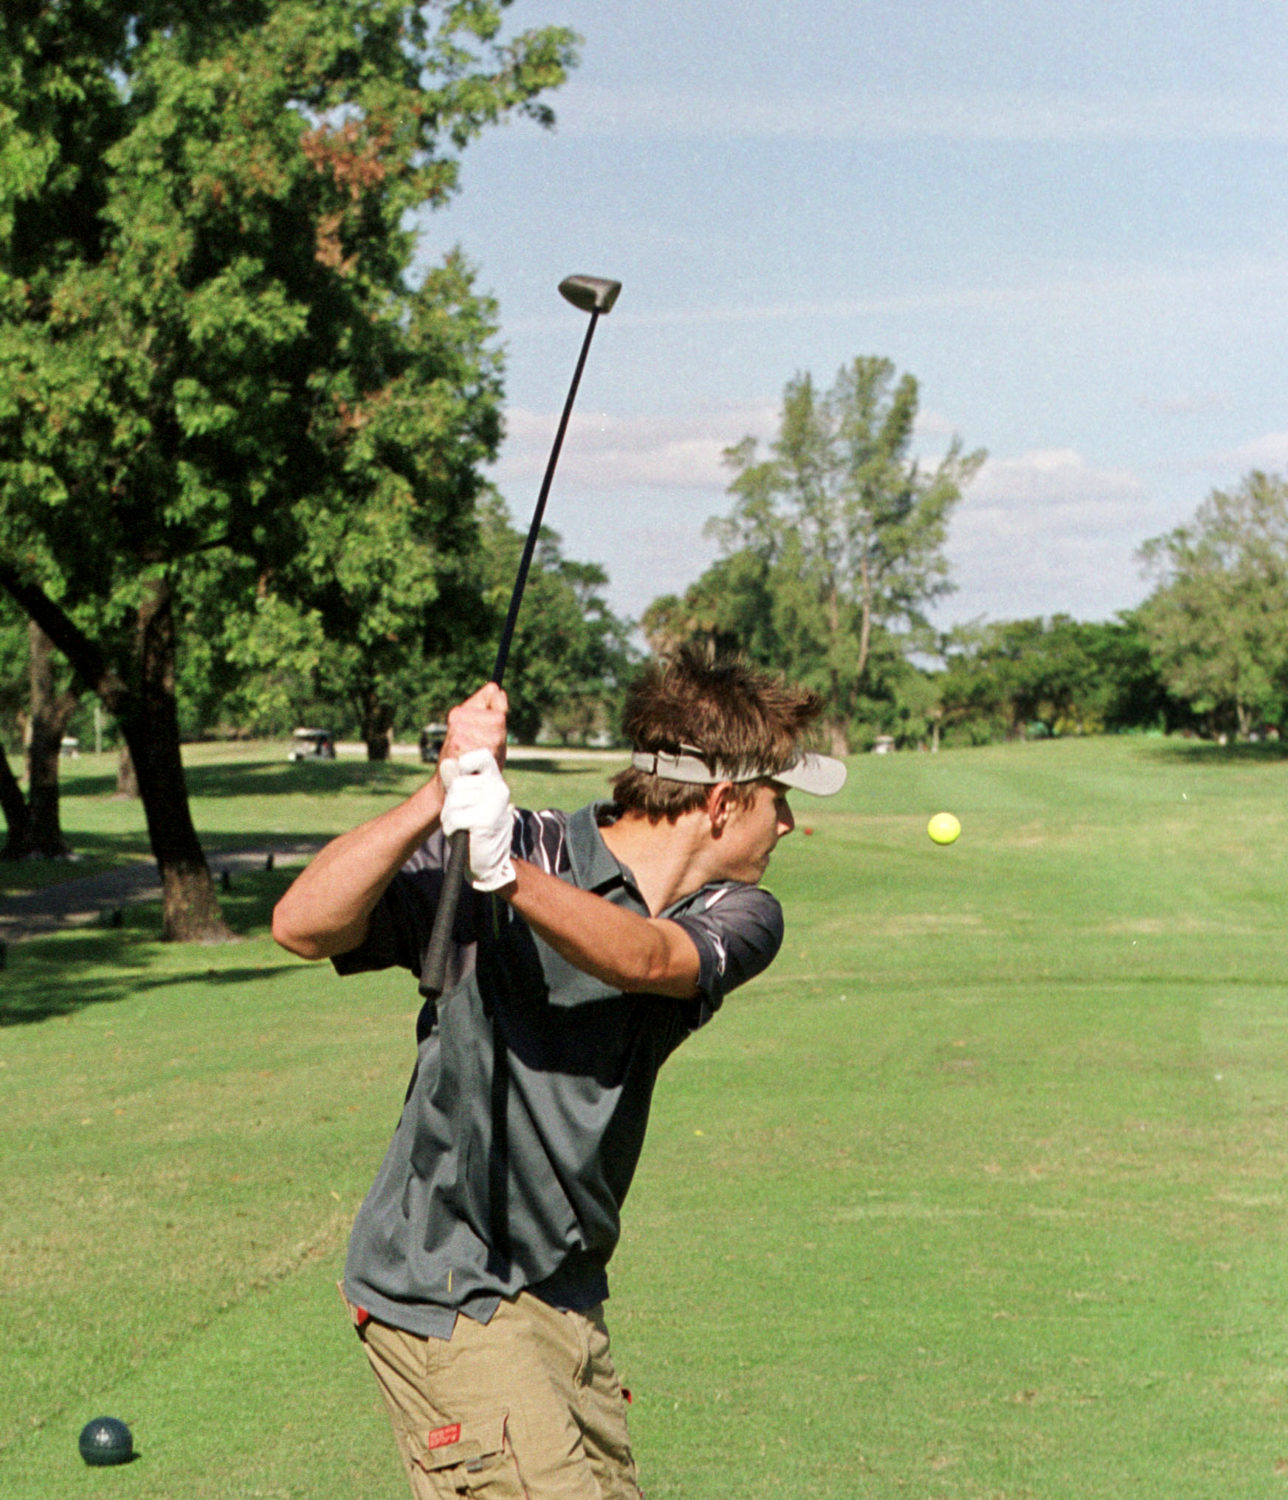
(477, 724)
(478, 803)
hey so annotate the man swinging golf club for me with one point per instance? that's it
(586, 947)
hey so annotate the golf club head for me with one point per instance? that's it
(590, 293)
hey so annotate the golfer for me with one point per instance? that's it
(588, 946)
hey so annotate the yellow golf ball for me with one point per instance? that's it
(943, 828)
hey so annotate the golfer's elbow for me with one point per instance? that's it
(286, 934)
(294, 931)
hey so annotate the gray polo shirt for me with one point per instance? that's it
(525, 1114)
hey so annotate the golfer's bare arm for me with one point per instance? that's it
(628, 951)
(328, 909)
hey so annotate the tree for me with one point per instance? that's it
(1058, 676)
(214, 363)
(730, 606)
(838, 534)
(1217, 622)
(570, 654)
(40, 694)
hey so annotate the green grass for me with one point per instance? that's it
(981, 1191)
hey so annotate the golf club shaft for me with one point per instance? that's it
(435, 969)
(530, 546)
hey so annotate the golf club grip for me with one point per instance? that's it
(434, 973)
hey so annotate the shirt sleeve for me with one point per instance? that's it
(402, 922)
(738, 930)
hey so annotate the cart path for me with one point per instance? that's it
(91, 899)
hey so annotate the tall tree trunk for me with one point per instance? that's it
(51, 712)
(865, 619)
(191, 907)
(127, 780)
(377, 725)
(17, 818)
(149, 719)
(842, 703)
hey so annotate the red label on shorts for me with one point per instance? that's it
(444, 1437)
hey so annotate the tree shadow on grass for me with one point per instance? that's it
(1209, 753)
(270, 778)
(45, 987)
(58, 975)
(276, 778)
(555, 765)
(92, 853)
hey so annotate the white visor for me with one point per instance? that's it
(819, 774)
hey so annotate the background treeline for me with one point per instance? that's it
(1206, 654)
(833, 555)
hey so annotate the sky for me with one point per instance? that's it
(1068, 221)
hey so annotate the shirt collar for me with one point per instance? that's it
(594, 865)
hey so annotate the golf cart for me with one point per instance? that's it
(431, 742)
(312, 744)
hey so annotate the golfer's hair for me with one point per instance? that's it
(734, 714)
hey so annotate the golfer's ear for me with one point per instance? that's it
(719, 805)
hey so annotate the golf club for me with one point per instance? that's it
(594, 295)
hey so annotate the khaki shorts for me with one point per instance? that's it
(527, 1407)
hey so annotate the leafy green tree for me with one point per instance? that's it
(371, 557)
(570, 653)
(39, 697)
(837, 536)
(731, 605)
(1217, 622)
(902, 700)
(1043, 675)
(214, 361)
(1126, 690)
(1058, 676)
(569, 657)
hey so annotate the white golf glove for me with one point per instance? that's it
(478, 803)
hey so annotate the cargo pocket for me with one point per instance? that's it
(473, 1458)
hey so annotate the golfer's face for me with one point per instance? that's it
(754, 830)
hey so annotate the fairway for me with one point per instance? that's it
(979, 1192)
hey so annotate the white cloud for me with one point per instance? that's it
(865, 116)
(1269, 452)
(602, 452)
(1110, 292)
(1046, 533)
(1057, 480)
(1187, 404)
(934, 424)
(666, 451)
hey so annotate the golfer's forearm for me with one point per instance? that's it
(624, 949)
(328, 908)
